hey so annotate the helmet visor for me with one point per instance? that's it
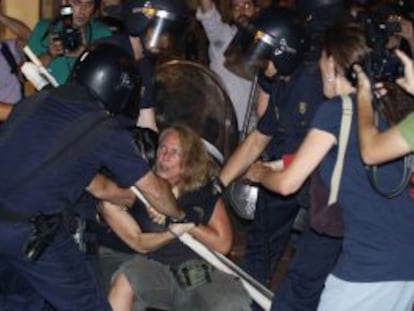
(158, 33)
(248, 52)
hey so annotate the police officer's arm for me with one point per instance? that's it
(217, 234)
(103, 188)
(315, 146)
(146, 119)
(155, 190)
(158, 194)
(126, 228)
(5, 110)
(262, 101)
(244, 155)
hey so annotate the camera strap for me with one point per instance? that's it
(372, 171)
(399, 188)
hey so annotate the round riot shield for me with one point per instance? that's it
(189, 93)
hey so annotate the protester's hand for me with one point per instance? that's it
(155, 216)
(406, 82)
(178, 229)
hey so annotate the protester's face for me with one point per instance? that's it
(83, 11)
(242, 8)
(168, 161)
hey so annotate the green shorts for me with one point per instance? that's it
(155, 286)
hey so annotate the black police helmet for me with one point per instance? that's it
(136, 15)
(107, 73)
(284, 32)
(310, 6)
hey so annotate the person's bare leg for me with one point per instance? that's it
(121, 295)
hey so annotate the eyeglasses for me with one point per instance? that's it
(246, 5)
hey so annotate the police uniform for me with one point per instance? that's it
(292, 104)
(61, 274)
(144, 69)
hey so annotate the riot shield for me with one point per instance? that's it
(189, 93)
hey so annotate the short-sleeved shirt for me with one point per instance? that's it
(406, 128)
(291, 107)
(10, 87)
(29, 139)
(61, 66)
(378, 232)
(173, 253)
(144, 68)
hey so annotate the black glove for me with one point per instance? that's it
(199, 204)
(146, 141)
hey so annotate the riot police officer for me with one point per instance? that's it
(145, 33)
(277, 37)
(52, 145)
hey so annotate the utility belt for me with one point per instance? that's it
(44, 229)
(85, 235)
(193, 273)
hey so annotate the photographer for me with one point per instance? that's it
(58, 42)
(377, 147)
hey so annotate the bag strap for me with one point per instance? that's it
(11, 61)
(344, 131)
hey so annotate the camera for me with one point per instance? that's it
(69, 35)
(382, 64)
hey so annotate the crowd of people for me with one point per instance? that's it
(94, 194)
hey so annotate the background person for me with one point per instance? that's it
(220, 34)
(47, 38)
